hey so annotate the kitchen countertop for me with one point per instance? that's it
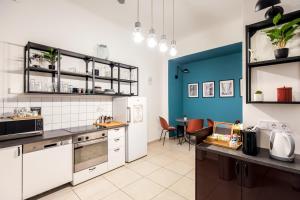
(48, 135)
(262, 158)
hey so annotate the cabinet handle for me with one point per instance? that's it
(246, 170)
(19, 151)
(116, 150)
(117, 139)
(237, 168)
(92, 169)
(116, 129)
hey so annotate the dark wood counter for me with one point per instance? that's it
(262, 158)
(60, 133)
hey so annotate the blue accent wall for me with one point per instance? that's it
(213, 65)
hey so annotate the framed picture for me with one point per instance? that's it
(241, 87)
(208, 89)
(227, 88)
(193, 90)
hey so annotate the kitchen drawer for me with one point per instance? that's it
(116, 157)
(90, 173)
(116, 133)
(116, 142)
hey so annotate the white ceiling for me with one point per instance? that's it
(190, 15)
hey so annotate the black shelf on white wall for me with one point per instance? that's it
(250, 31)
(89, 77)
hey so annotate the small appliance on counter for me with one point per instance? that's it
(285, 94)
(17, 127)
(282, 145)
(249, 136)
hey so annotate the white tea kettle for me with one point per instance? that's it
(282, 145)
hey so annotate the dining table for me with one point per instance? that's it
(184, 122)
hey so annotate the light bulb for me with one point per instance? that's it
(152, 41)
(137, 33)
(163, 45)
(173, 50)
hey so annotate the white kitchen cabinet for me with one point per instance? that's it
(11, 173)
(47, 168)
(116, 148)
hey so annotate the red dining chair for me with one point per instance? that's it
(165, 128)
(210, 123)
(193, 126)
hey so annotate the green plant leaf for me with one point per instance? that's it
(277, 18)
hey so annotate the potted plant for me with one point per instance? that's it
(280, 35)
(258, 96)
(51, 57)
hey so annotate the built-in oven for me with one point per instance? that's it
(90, 149)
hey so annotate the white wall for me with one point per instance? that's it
(270, 78)
(61, 23)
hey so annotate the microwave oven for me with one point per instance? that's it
(13, 129)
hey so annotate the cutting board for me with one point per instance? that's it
(223, 144)
(110, 124)
(25, 118)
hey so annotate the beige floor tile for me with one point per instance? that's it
(95, 189)
(61, 195)
(168, 195)
(122, 177)
(185, 187)
(118, 195)
(144, 168)
(164, 177)
(143, 189)
(191, 174)
(179, 167)
(161, 160)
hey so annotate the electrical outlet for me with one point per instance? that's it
(263, 125)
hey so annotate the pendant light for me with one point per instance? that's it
(163, 45)
(173, 50)
(137, 32)
(152, 40)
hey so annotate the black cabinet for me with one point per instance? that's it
(223, 177)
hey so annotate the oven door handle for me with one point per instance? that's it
(82, 144)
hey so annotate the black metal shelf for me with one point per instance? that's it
(250, 31)
(56, 74)
(275, 61)
(40, 69)
(78, 94)
(67, 73)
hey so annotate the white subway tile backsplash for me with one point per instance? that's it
(66, 118)
(74, 109)
(74, 117)
(66, 110)
(61, 112)
(56, 119)
(56, 110)
(82, 116)
(46, 111)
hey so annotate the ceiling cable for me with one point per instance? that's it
(138, 10)
(151, 13)
(163, 17)
(173, 19)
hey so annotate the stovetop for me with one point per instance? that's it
(84, 129)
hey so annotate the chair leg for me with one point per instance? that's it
(161, 134)
(165, 138)
(189, 142)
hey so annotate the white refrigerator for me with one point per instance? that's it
(133, 111)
